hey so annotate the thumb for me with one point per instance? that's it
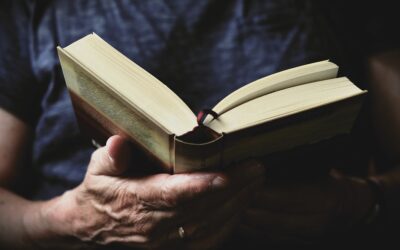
(112, 159)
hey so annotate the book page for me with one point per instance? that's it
(128, 81)
(284, 79)
(284, 103)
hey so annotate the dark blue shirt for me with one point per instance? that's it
(202, 50)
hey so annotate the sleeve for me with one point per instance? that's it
(19, 91)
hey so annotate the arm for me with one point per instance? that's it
(15, 136)
(14, 143)
(110, 208)
(306, 212)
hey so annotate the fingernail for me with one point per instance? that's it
(110, 158)
(218, 182)
(108, 150)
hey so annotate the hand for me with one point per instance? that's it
(306, 212)
(146, 212)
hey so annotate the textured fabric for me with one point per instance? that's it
(202, 50)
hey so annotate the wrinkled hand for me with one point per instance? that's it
(147, 211)
(306, 212)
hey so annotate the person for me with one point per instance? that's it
(59, 192)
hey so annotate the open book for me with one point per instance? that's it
(113, 95)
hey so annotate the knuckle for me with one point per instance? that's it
(145, 223)
(89, 183)
(95, 156)
(99, 158)
(168, 196)
(93, 188)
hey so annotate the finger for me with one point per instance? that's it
(165, 191)
(239, 178)
(202, 215)
(201, 225)
(172, 191)
(117, 148)
(149, 214)
(138, 231)
(236, 179)
(112, 159)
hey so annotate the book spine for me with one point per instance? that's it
(191, 157)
